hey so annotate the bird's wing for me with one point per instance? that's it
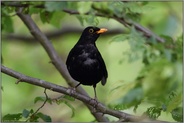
(104, 70)
(74, 51)
(69, 57)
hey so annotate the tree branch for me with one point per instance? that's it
(86, 99)
(147, 33)
(53, 34)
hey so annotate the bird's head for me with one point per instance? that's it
(90, 34)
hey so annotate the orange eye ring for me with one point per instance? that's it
(91, 30)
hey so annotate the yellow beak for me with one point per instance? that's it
(102, 30)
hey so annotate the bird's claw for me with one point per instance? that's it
(94, 102)
(71, 90)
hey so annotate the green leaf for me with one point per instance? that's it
(71, 107)
(104, 7)
(120, 37)
(132, 98)
(55, 6)
(67, 103)
(84, 7)
(7, 10)
(115, 8)
(136, 40)
(144, 2)
(7, 24)
(92, 20)
(25, 113)
(122, 87)
(153, 112)
(42, 99)
(46, 16)
(81, 20)
(12, 117)
(34, 10)
(56, 18)
(39, 99)
(177, 114)
(31, 111)
(44, 117)
(72, 5)
(175, 102)
(89, 19)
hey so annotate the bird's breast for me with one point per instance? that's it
(89, 61)
(87, 57)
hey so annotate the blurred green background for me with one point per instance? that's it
(31, 59)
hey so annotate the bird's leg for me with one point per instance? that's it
(94, 86)
(94, 101)
(77, 85)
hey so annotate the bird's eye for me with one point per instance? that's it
(91, 30)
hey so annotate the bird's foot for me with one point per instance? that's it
(94, 103)
(71, 90)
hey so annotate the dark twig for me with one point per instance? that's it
(43, 102)
(40, 106)
(86, 99)
(147, 33)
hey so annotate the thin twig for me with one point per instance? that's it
(43, 102)
(40, 106)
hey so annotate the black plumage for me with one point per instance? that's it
(85, 63)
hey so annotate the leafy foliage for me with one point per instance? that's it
(177, 114)
(55, 6)
(32, 116)
(6, 22)
(153, 112)
(29, 115)
(11, 117)
(160, 76)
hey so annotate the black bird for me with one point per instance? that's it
(85, 63)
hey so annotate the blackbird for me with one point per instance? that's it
(85, 63)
